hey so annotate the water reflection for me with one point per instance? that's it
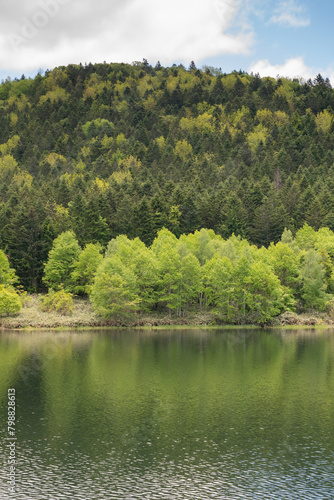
(239, 414)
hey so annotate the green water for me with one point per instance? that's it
(170, 414)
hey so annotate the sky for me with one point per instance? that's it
(289, 38)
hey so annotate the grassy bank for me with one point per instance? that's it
(32, 316)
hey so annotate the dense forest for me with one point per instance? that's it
(109, 149)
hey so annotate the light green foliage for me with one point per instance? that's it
(236, 248)
(324, 245)
(7, 274)
(322, 242)
(145, 268)
(203, 244)
(100, 126)
(285, 263)
(230, 81)
(191, 281)
(243, 292)
(21, 87)
(62, 261)
(60, 302)
(268, 118)
(120, 246)
(238, 281)
(312, 274)
(55, 95)
(163, 240)
(288, 239)
(219, 289)
(8, 168)
(7, 148)
(306, 237)
(169, 269)
(257, 136)
(202, 123)
(240, 118)
(10, 302)
(324, 121)
(143, 263)
(183, 150)
(325, 242)
(179, 272)
(161, 142)
(114, 291)
(264, 294)
(86, 267)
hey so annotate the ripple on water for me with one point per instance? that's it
(168, 480)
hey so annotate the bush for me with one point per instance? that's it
(10, 302)
(60, 302)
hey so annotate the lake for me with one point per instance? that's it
(169, 414)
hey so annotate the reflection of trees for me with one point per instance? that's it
(170, 390)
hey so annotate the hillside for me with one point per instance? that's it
(112, 149)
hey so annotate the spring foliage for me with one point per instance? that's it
(10, 301)
(235, 280)
(239, 282)
(60, 302)
(62, 262)
(103, 150)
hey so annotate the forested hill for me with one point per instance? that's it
(111, 149)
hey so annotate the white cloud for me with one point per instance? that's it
(289, 13)
(292, 68)
(46, 33)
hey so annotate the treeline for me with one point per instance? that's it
(110, 149)
(237, 281)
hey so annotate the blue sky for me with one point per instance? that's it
(272, 37)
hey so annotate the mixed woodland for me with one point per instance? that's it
(168, 163)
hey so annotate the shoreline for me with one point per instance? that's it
(32, 318)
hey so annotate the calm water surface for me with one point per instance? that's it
(172, 414)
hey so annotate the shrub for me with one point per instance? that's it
(60, 302)
(10, 302)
